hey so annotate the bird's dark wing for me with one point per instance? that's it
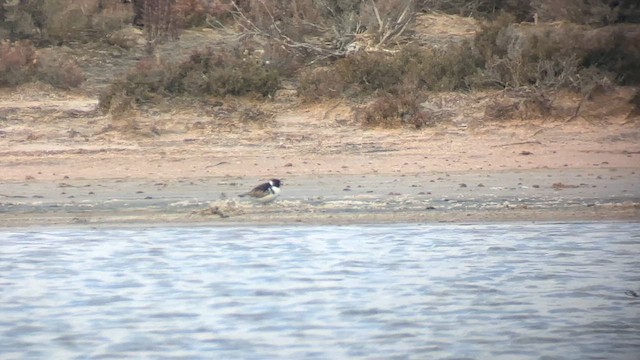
(259, 191)
(261, 188)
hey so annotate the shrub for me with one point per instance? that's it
(16, 62)
(58, 69)
(227, 73)
(588, 12)
(553, 55)
(321, 82)
(113, 16)
(546, 56)
(210, 72)
(61, 21)
(522, 103)
(615, 49)
(520, 9)
(67, 20)
(411, 69)
(20, 63)
(438, 69)
(148, 79)
(392, 111)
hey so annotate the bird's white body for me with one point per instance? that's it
(272, 195)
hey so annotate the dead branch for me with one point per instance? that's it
(344, 34)
(393, 29)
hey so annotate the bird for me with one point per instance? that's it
(266, 192)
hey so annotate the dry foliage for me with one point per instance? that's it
(58, 69)
(412, 69)
(63, 21)
(17, 62)
(161, 22)
(21, 63)
(390, 111)
(217, 72)
(555, 56)
(321, 29)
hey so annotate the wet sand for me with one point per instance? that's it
(483, 196)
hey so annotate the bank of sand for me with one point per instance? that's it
(65, 163)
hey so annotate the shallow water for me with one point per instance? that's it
(492, 291)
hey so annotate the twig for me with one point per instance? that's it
(220, 163)
(519, 143)
(575, 114)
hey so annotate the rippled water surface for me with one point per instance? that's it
(496, 291)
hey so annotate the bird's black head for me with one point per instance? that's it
(275, 182)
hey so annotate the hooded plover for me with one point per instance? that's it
(266, 192)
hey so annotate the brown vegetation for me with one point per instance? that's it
(366, 51)
(20, 63)
(211, 72)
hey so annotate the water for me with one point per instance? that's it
(495, 291)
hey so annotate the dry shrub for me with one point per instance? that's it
(227, 72)
(615, 49)
(411, 69)
(293, 19)
(20, 63)
(370, 71)
(17, 62)
(150, 78)
(588, 12)
(194, 13)
(62, 21)
(520, 104)
(210, 72)
(58, 69)
(555, 55)
(113, 16)
(67, 20)
(520, 9)
(126, 38)
(546, 56)
(321, 83)
(438, 69)
(288, 63)
(161, 21)
(391, 111)
(485, 39)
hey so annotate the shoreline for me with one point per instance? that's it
(539, 195)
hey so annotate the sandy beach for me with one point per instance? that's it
(63, 163)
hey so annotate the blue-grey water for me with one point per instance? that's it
(490, 291)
